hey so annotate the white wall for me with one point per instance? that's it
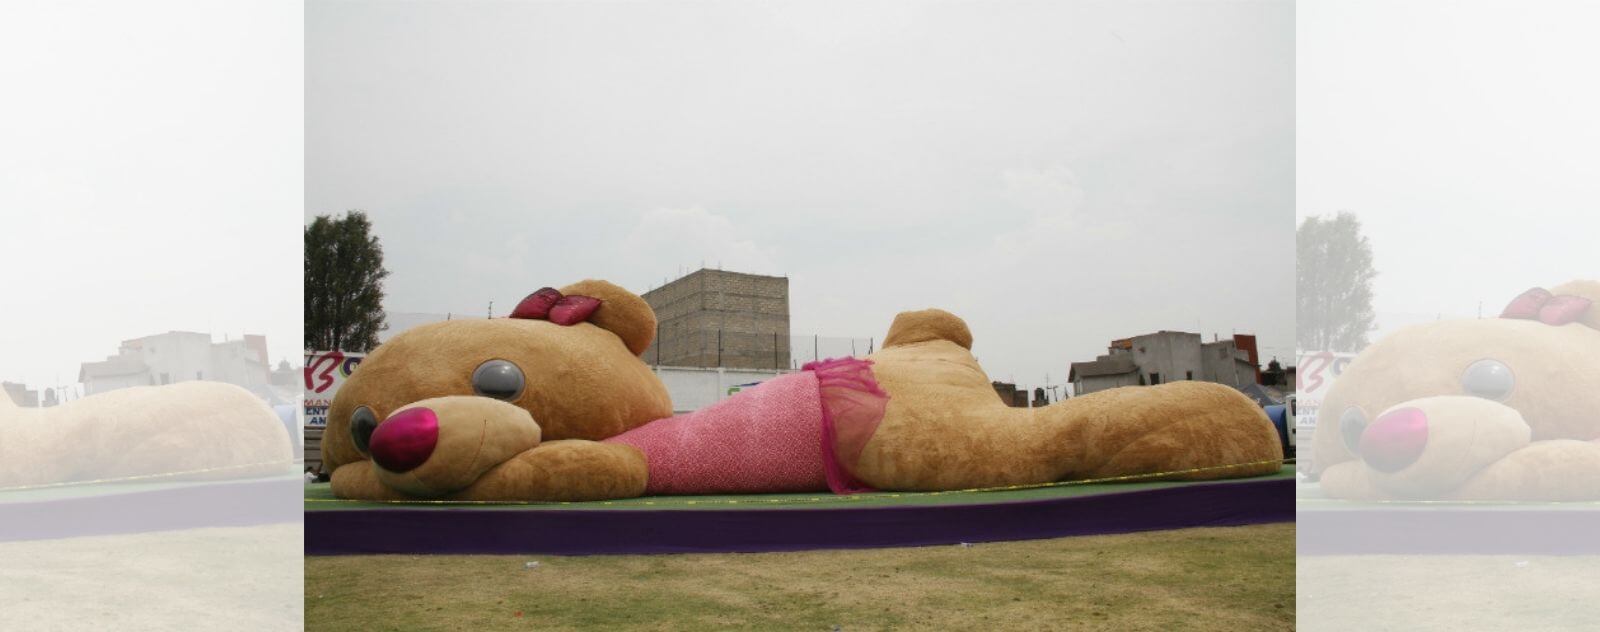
(178, 355)
(693, 388)
(110, 383)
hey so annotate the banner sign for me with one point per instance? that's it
(325, 371)
(1316, 372)
(739, 387)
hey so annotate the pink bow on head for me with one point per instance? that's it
(549, 304)
(1551, 309)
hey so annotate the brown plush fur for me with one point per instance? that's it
(1531, 446)
(201, 430)
(622, 313)
(582, 381)
(945, 428)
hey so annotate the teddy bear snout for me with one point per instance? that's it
(1395, 440)
(405, 440)
(440, 445)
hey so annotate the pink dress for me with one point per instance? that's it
(801, 432)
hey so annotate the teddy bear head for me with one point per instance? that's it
(1429, 405)
(486, 389)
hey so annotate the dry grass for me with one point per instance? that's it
(225, 578)
(1239, 578)
(1424, 593)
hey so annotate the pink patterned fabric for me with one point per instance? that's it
(780, 436)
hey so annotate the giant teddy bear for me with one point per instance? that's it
(1503, 409)
(554, 403)
(184, 431)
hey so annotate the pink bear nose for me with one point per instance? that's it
(405, 440)
(1395, 440)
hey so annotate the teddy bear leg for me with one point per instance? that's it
(1197, 430)
(568, 470)
(1554, 471)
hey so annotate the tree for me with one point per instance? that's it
(344, 284)
(1334, 285)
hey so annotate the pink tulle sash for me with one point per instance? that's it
(852, 406)
(795, 433)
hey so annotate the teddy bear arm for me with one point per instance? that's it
(1555, 471)
(358, 481)
(1349, 481)
(567, 470)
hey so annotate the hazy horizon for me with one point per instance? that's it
(139, 204)
(1469, 195)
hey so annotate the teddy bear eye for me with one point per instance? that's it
(1489, 379)
(1351, 424)
(498, 379)
(362, 423)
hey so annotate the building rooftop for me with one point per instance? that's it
(711, 271)
(112, 367)
(1105, 365)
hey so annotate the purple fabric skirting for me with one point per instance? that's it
(1449, 531)
(223, 504)
(633, 531)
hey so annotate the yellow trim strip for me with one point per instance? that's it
(146, 477)
(817, 499)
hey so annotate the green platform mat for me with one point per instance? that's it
(1309, 497)
(96, 490)
(320, 498)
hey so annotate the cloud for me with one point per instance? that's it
(692, 236)
(1052, 198)
(1055, 185)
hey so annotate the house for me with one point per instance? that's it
(1168, 356)
(179, 356)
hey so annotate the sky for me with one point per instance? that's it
(1058, 174)
(1463, 136)
(145, 187)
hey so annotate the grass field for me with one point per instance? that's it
(1424, 593)
(1233, 578)
(220, 578)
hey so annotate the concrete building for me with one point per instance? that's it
(1010, 395)
(1105, 372)
(20, 394)
(179, 356)
(717, 318)
(1278, 376)
(1231, 362)
(1168, 356)
(286, 376)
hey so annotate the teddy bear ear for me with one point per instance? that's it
(925, 325)
(621, 312)
(1586, 289)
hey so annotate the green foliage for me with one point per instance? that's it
(1334, 285)
(344, 284)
